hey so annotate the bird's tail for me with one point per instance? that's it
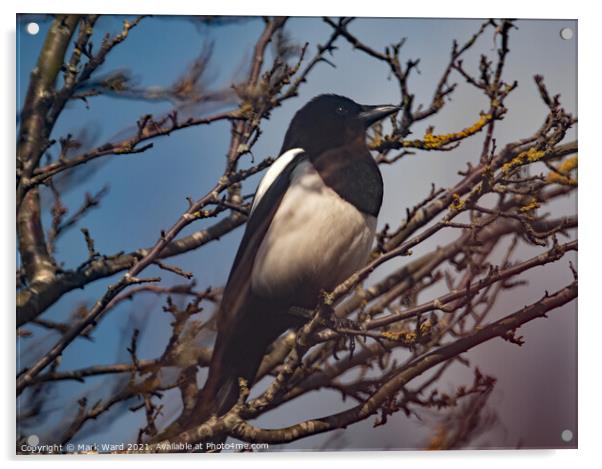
(236, 356)
(237, 353)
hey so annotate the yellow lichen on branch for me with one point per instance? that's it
(437, 142)
(525, 157)
(457, 203)
(561, 174)
(407, 337)
(532, 205)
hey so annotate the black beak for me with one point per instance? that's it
(372, 114)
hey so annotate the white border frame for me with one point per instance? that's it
(590, 170)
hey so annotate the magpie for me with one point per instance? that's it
(311, 225)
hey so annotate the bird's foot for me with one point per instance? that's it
(332, 321)
(344, 323)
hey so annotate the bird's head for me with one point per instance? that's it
(329, 121)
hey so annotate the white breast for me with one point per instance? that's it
(315, 241)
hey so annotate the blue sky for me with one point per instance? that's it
(148, 191)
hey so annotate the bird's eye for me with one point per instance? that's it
(341, 110)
